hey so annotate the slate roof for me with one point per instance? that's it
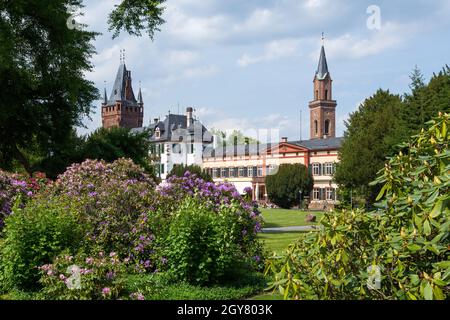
(322, 68)
(174, 128)
(320, 144)
(118, 91)
(254, 149)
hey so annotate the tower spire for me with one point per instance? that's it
(105, 97)
(140, 99)
(322, 68)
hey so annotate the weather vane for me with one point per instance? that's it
(323, 38)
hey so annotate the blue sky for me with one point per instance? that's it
(249, 64)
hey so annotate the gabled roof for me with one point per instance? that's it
(322, 68)
(174, 126)
(118, 92)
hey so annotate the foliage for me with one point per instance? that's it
(203, 245)
(416, 190)
(33, 236)
(425, 99)
(406, 238)
(136, 15)
(83, 277)
(42, 80)
(284, 187)
(115, 143)
(180, 171)
(372, 132)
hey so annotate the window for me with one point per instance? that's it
(225, 172)
(157, 133)
(232, 172)
(326, 94)
(260, 172)
(316, 194)
(316, 127)
(162, 169)
(176, 148)
(316, 169)
(329, 169)
(191, 148)
(242, 172)
(327, 127)
(317, 94)
(329, 194)
(250, 172)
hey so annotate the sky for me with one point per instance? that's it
(249, 64)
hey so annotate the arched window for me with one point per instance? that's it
(327, 127)
(316, 127)
(317, 94)
(326, 94)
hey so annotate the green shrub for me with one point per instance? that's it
(180, 171)
(83, 277)
(407, 238)
(33, 236)
(204, 245)
(283, 188)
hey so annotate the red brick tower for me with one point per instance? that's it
(323, 107)
(122, 109)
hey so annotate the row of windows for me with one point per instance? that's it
(323, 169)
(242, 172)
(135, 109)
(328, 194)
(158, 149)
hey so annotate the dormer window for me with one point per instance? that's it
(157, 133)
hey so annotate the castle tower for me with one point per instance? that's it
(122, 109)
(323, 107)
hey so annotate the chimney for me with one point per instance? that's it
(156, 120)
(284, 139)
(189, 117)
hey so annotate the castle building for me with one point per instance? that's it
(249, 165)
(122, 109)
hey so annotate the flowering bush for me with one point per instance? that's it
(111, 201)
(84, 277)
(18, 188)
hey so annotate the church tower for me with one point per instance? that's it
(122, 109)
(323, 107)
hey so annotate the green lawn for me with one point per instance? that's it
(278, 242)
(275, 218)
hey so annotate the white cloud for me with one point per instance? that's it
(180, 57)
(391, 36)
(192, 73)
(273, 50)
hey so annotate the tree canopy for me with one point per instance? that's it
(382, 122)
(284, 187)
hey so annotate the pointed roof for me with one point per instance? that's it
(322, 69)
(118, 91)
(140, 100)
(105, 97)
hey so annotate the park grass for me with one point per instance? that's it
(276, 218)
(279, 241)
